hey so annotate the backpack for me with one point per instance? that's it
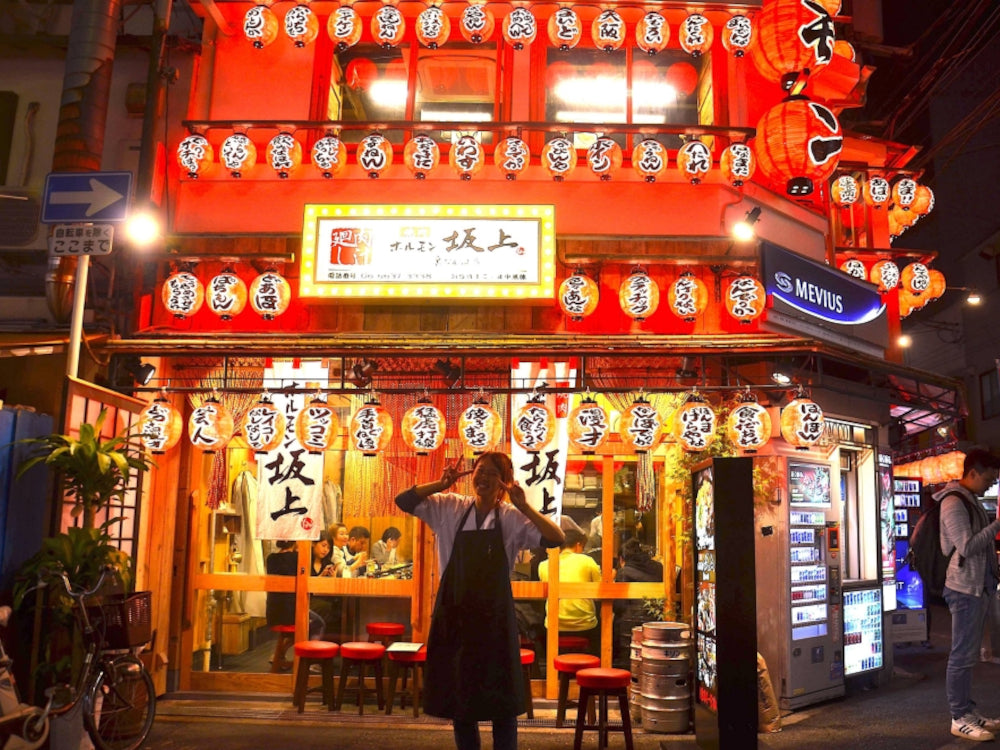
(925, 555)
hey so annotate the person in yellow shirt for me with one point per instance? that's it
(576, 616)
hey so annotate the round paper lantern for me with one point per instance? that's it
(904, 192)
(421, 155)
(270, 294)
(466, 157)
(344, 28)
(693, 161)
(317, 426)
(578, 296)
(374, 155)
(884, 274)
(511, 157)
(565, 29)
(916, 278)
(360, 73)
(694, 424)
(745, 298)
(433, 27)
(737, 164)
(876, 192)
(682, 78)
(695, 35)
(688, 297)
(559, 158)
(329, 156)
(737, 35)
(182, 294)
(388, 26)
(652, 33)
(371, 429)
(802, 422)
(479, 427)
(953, 465)
(854, 267)
(844, 191)
(423, 427)
(476, 23)
(844, 49)
(936, 283)
(798, 144)
(160, 426)
(793, 38)
(639, 295)
(589, 427)
(284, 154)
(301, 25)
(902, 219)
(210, 426)
(534, 425)
(238, 154)
(520, 27)
(226, 294)
(608, 30)
(749, 424)
(604, 157)
(640, 427)
(264, 426)
(195, 155)
(260, 26)
(649, 159)
(923, 201)
(908, 301)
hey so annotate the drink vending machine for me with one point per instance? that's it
(909, 621)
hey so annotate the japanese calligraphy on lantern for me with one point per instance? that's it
(442, 252)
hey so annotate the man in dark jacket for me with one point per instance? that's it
(634, 565)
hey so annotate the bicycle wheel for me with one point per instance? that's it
(120, 705)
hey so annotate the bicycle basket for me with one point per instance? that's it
(127, 620)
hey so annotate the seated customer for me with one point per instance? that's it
(280, 606)
(349, 560)
(634, 565)
(384, 550)
(576, 616)
(326, 607)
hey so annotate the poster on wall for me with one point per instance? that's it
(887, 540)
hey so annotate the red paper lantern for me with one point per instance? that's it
(360, 73)
(693, 161)
(480, 427)
(195, 155)
(745, 298)
(688, 297)
(923, 201)
(650, 159)
(238, 154)
(737, 35)
(270, 295)
(844, 191)
(210, 426)
(876, 192)
(421, 155)
(160, 426)
(694, 424)
(844, 49)
(908, 301)
(798, 144)
(578, 296)
(565, 29)
(226, 294)
(433, 27)
(329, 156)
(374, 155)
(904, 191)
(903, 218)
(854, 267)
(284, 154)
(534, 425)
(683, 78)
(608, 30)
(639, 295)
(264, 426)
(182, 294)
(388, 26)
(793, 38)
(589, 427)
(260, 26)
(916, 278)
(604, 157)
(520, 27)
(317, 426)
(695, 35)
(884, 274)
(477, 23)
(371, 429)
(423, 427)
(652, 33)
(749, 424)
(737, 164)
(466, 157)
(936, 283)
(559, 158)
(640, 427)
(512, 157)
(802, 422)
(344, 28)
(301, 25)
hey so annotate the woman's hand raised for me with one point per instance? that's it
(452, 473)
(516, 494)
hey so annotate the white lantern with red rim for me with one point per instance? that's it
(745, 298)
(466, 157)
(374, 155)
(650, 159)
(559, 158)
(534, 425)
(737, 35)
(210, 426)
(695, 35)
(480, 428)
(511, 157)
(749, 424)
(270, 295)
(802, 422)
(317, 426)
(608, 30)
(915, 278)
(195, 155)
(329, 156)
(226, 294)
(160, 426)
(565, 29)
(904, 192)
(423, 427)
(433, 27)
(640, 427)
(371, 428)
(589, 426)
(301, 25)
(854, 267)
(844, 191)
(652, 33)
(264, 426)
(388, 26)
(421, 155)
(694, 160)
(344, 28)
(604, 157)
(737, 164)
(694, 424)
(639, 295)
(476, 23)
(284, 154)
(578, 296)
(520, 27)
(876, 192)
(238, 154)
(688, 297)
(884, 274)
(260, 26)
(182, 294)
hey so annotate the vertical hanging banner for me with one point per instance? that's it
(542, 473)
(290, 477)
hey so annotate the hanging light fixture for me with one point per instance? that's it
(512, 157)
(210, 426)
(737, 164)
(578, 296)
(639, 295)
(270, 295)
(589, 426)
(652, 33)
(260, 25)
(749, 424)
(195, 155)
(479, 427)
(519, 27)
(329, 156)
(433, 27)
(423, 427)
(182, 294)
(604, 157)
(608, 30)
(650, 159)
(534, 425)
(688, 297)
(317, 426)
(284, 154)
(640, 427)
(421, 155)
(694, 423)
(476, 23)
(696, 35)
(301, 25)
(737, 35)
(344, 28)
(160, 425)
(264, 425)
(371, 428)
(745, 298)
(226, 294)
(802, 421)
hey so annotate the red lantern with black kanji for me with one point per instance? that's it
(559, 158)
(640, 427)
(195, 155)
(798, 144)
(466, 157)
(226, 294)
(344, 28)
(182, 294)
(565, 29)
(210, 426)
(885, 275)
(652, 33)
(512, 157)
(749, 425)
(639, 295)
(520, 27)
(915, 278)
(476, 23)
(802, 422)
(371, 429)
(695, 35)
(688, 297)
(374, 155)
(854, 267)
(908, 301)
(238, 154)
(903, 218)
(329, 156)
(650, 159)
(604, 157)
(317, 426)
(301, 25)
(421, 155)
(737, 35)
(578, 296)
(589, 426)
(745, 298)
(423, 427)
(433, 27)
(284, 154)
(793, 38)
(844, 191)
(270, 295)
(388, 26)
(480, 428)
(876, 192)
(260, 26)
(694, 424)
(264, 426)
(693, 161)
(904, 192)
(608, 30)
(737, 164)
(534, 425)
(160, 426)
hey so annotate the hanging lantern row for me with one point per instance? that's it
(467, 157)
(639, 296)
(944, 467)
(916, 285)
(906, 199)
(477, 23)
(226, 294)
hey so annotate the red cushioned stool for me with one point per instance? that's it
(601, 683)
(285, 636)
(309, 653)
(567, 665)
(405, 661)
(573, 643)
(384, 632)
(360, 654)
(527, 659)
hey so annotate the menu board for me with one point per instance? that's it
(705, 609)
(862, 630)
(809, 484)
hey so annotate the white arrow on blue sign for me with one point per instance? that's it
(77, 197)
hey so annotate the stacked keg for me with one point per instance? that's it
(634, 694)
(665, 677)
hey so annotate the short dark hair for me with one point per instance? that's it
(980, 460)
(359, 532)
(632, 550)
(285, 543)
(391, 533)
(573, 538)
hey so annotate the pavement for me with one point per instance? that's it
(908, 712)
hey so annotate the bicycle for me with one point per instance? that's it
(119, 700)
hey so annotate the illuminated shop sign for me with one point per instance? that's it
(451, 252)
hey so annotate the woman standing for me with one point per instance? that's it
(473, 657)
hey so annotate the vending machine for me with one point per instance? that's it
(909, 621)
(799, 609)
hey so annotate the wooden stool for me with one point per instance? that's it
(527, 659)
(406, 661)
(601, 683)
(384, 632)
(573, 643)
(359, 653)
(567, 665)
(285, 636)
(309, 653)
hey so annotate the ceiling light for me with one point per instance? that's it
(743, 231)
(141, 373)
(781, 378)
(974, 297)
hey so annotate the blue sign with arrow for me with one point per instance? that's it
(84, 197)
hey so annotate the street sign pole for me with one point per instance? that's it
(76, 321)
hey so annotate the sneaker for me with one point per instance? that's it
(968, 727)
(990, 725)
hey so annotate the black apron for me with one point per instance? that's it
(473, 653)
